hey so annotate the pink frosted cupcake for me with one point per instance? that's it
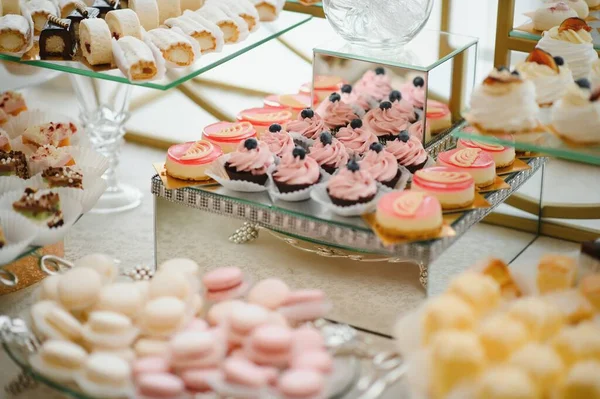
(335, 113)
(409, 152)
(360, 102)
(351, 186)
(329, 153)
(296, 171)
(414, 92)
(250, 162)
(382, 165)
(309, 124)
(375, 83)
(403, 106)
(385, 121)
(278, 140)
(356, 138)
(416, 130)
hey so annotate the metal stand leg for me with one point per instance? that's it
(423, 275)
(21, 383)
(245, 234)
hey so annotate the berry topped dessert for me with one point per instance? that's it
(309, 124)
(375, 83)
(360, 102)
(385, 121)
(296, 171)
(382, 165)
(42, 207)
(228, 135)
(63, 176)
(408, 151)
(551, 15)
(351, 186)
(278, 140)
(14, 163)
(356, 138)
(549, 74)
(250, 162)
(403, 106)
(414, 92)
(329, 153)
(335, 113)
(576, 116)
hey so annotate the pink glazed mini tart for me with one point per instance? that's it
(474, 161)
(262, 118)
(292, 102)
(411, 214)
(189, 161)
(228, 135)
(454, 189)
(503, 156)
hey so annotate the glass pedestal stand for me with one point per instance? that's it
(103, 115)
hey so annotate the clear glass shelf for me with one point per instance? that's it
(545, 143)
(267, 31)
(427, 50)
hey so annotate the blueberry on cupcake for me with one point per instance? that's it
(352, 185)
(296, 171)
(250, 162)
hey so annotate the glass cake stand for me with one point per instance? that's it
(103, 114)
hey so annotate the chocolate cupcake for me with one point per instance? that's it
(250, 162)
(382, 165)
(408, 151)
(335, 113)
(296, 172)
(329, 152)
(351, 186)
(278, 140)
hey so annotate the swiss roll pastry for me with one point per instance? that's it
(409, 151)
(268, 10)
(234, 28)
(124, 23)
(351, 186)
(105, 6)
(40, 10)
(552, 14)
(375, 83)
(175, 48)
(550, 76)
(66, 7)
(356, 138)
(207, 34)
(576, 116)
(278, 140)
(452, 188)
(414, 92)
(228, 135)
(503, 156)
(411, 214)
(385, 121)
(135, 59)
(308, 124)
(15, 34)
(573, 42)
(168, 9)
(95, 41)
(382, 165)
(241, 8)
(79, 14)
(147, 12)
(504, 103)
(296, 171)
(57, 39)
(189, 161)
(329, 153)
(335, 113)
(250, 162)
(474, 161)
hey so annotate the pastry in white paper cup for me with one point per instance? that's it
(294, 196)
(89, 195)
(34, 117)
(18, 234)
(14, 183)
(90, 160)
(146, 66)
(70, 208)
(320, 195)
(405, 176)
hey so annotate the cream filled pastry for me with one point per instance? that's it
(411, 214)
(409, 151)
(576, 116)
(208, 35)
(414, 92)
(375, 83)
(335, 113)
(250, 162)
(268, 10)
(40, 10)
(360, 102)
(234, 28)
(403, 106)
(176, 48)
(474, 161)
(504, 103)
(454, 189)
(351, 186)
(189, 161)
(123, 23)
(135, 59)
(228, 135)
(382, 165)
(385, 121)
(502, 156)
(573, 42)
(296, 171)
(147, 12)
(356, 138)
(95, 41)
(549, 75)
(243, 9)
(278, 140)
(15, 33)
(309, 124)
(551, 15)
(416, 130)
(581, 7)
(329, 153)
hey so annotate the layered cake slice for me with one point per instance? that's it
(14, 163)
(50, 156)
(11, 102)
(52, 133)
(63, 176)
(42, 207)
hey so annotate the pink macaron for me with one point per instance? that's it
(270, 293)
(300, 384)
(196, 349)
(270, 345)
(240, 371)
(305, 305)
(160, 386)
(320, 361)
(308, 339)
(149, 365)
(224, 283)
(197, 325)
(200, 380)
(243, 320)
(220, 312)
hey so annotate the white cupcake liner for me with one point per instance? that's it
(319, 194)
(402, 182)
(32, 117)
(217, 172)
(300, 195)
(302, 141)
(88, 159)
(88, 197)
(430, 162)
(71, 210)
(18, 233)
(125, 66)
(195, 47)
(14, 183)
